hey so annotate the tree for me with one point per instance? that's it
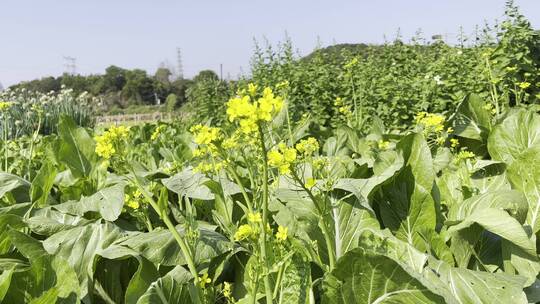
(162, 75)
(171, 103)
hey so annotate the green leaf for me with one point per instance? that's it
(524, 175)
(5, 281)
(108, 202)
(42, 184)
(471, 119)
(191, 184)
(367, 277)
(18, 186)
(171, 288)
(49, 277)
(141, 280)
(516, 134)
(501, 223)
(76, 149)
(405, 202)
(296, 282)
(160, 247)
(80, 246)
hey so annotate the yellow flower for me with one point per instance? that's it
(318, 163)
(383, 145)
(227, 290)
(281, 234)
(157, 131)
(524, 85)
(248, 113)
(204, 135)
(204, 279)
(308, 146)
(282, 159)
(430, 122)
(104, 146)
(338, 102)
(310, 183)
(254, 217)
(450, 130)
(464, 154)
(252, 89)
(245, 231)
(5, 105)
(454, 142)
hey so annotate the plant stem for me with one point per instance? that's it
(267, 285)
(327, 240)
(181, 242)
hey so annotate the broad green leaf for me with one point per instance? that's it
(47, 221)
(160, 247)
(5, 281)
(108, 202)
(169, 289)
(42, 184)
(347, 221)
(192, 184)
(141, 280)
(514, 202)
(12, 183)
(516, 134)
(524, 175)
(80, 246)
(501, 223)
(405, 202)
(296, 282)
(49, 277)
(456, 285)
(76, 149)
(472, 120)
(366, 277)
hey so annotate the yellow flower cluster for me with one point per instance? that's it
(307, 146)
(431, 122)
(281, 234)
(205, 135)
(244, 231)
(248, 113)
(383, 145)
(310, 183)
(454, 142)
(489, 107)
(282, 158)
(203, 280)
(464, 154)
(105, 143)
(524, 85)
(132, 200)
(5, 105)
(342, 108)
(254, 217)
(157, 131)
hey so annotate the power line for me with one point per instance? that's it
(70, 65)
(179, 63)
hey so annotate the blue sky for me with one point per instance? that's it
(37, 34)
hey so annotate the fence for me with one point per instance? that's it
(133, 118)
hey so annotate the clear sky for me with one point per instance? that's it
(35, 35)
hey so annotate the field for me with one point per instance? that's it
(402, 173)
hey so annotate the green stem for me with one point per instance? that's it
(267, 285)
(181, 242)
(328, 241)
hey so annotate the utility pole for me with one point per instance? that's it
(70, 65)
(179, 63)
(221, 71)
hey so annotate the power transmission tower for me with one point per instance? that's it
(179, 63)
(70, 65)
